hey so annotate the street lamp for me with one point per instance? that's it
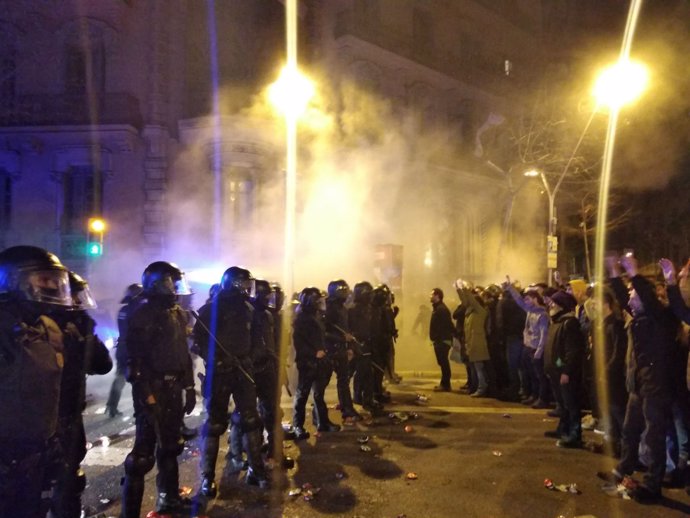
(290, 95)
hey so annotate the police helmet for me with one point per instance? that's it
(338, 290)
(131, 292)
(362, 292)
(81, 294)
(237, 279)
(163, 278)
(280, 295)
(381, 295)
(310, 298)
(264, 297)
(33, 274)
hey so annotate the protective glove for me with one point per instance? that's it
(189, 400)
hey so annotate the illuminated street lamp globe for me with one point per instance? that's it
(291, 92)
(620, 84)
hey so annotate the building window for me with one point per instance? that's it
(78, 198)
(5, 199)
(85, 67)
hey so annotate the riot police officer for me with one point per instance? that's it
(362, 327)
(383, 335)
(312, 364)
(84, 354)
(223, 335)
(338, 344)
(33, 282)
(129, 302)
(159, 368)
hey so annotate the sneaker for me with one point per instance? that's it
(529, 401)
(479, 393)
(569, 443)
(539, 404)
(236, 464)
(255, 479)
(301, 434)
(613, 476)
(441, 388)
(208, 488)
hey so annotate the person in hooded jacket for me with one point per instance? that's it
(563, 357)
(652, 340)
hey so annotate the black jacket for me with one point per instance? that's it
(157, 343)
(85, 353)
(615, 347)
(336, 319)
(264, 348)
(31, 362)
(441, 328)
(308, 337)
(653, 338)
(510, 318)
(565, 346)
(228, 318)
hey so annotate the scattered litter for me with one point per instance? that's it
(507, 416)
(563, 488)
(100, 410)
(308, 491)
(497, 453)
(105, 441)
(411, 476)
(363, 439)
(185, 490)
(365, 448)
(89, 445)
(294, 492)
(399, 417)
(623, 490)
(546, 420)
(340, 475)
(409, 428)
(422, 399)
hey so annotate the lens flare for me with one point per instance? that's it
(291, 92)
(621, 83)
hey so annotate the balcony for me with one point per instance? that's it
(71, 109)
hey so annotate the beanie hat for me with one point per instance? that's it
(564, 300)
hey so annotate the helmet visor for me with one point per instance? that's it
(182, 287)
(47, 286)
(84, 299)
(248, 286)
(271, 300)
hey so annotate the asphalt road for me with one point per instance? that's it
(472, 458)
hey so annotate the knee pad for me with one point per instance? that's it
(251, 421)
(136, 464)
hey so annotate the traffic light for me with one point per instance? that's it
(94, 242)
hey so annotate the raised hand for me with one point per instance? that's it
(629, 263)
(669, 271)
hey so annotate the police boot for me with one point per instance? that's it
(168, 503)
(256, 474)
(208, 487)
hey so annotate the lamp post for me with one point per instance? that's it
(290, 94)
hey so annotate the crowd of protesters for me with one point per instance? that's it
(539, 345)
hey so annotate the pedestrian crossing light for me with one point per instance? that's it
(94, 244)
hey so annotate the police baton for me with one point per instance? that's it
(361, 345)
(234, 358)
